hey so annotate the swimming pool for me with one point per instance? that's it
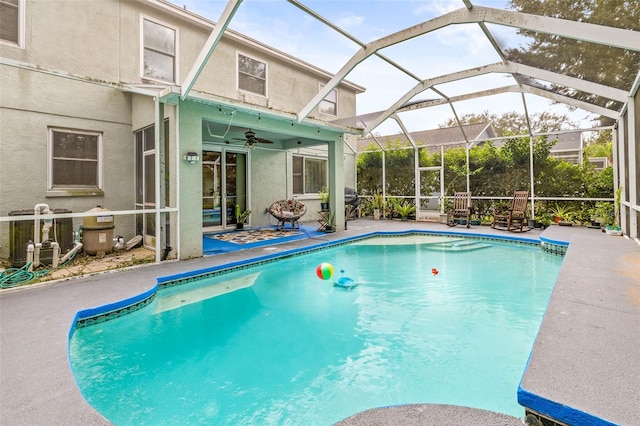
(273, 344)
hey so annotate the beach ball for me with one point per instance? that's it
(324, 271)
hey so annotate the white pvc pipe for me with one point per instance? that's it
(77, 246)
(36, 222)
(36, 255)
(30, 251)
(56, 254)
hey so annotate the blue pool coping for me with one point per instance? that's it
(557, 411)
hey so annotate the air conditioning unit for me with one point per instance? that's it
(21, 232)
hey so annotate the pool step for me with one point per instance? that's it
(457, 245)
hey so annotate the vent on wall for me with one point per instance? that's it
(21, 232)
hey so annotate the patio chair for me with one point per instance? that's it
(287, 211)
(461, 209)
(514, 218)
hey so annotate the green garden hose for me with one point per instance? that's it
(14, 277)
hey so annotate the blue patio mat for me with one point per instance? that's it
(228, 241)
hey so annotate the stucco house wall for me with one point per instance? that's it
(80, 69)
(44, 102)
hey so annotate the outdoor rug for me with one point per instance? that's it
(225, 242)
(252, 235)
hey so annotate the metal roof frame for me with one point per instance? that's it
(469, 14)
(599, 34)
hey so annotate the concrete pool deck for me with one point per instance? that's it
(585, 356)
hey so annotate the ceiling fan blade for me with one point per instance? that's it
(263, 140)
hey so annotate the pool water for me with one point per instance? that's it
(275, 345)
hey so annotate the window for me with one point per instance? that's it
(252, 75)
(309, 175)
(75, 159)
(329, 105)
(159, 51)
(12, 22)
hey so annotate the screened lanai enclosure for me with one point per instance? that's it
(453, 95)
(427, 65)
(578, 65)
(569, 171)
(533, 72)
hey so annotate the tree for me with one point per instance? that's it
(599, 145)
(597, 63)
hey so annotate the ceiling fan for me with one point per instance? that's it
(251, 140)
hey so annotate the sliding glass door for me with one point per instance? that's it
(224, 184)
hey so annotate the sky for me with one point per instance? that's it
(279, 24)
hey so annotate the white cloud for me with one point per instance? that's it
(350, 22)
(433, 8)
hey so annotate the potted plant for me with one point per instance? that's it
(595, 221)
(330, 226)
(378, 203)
(582, 216)
(404, 210)
(392, 207)
(324, 198)
(544, 219)
(241, 216)
(605, 211)
(561, 212)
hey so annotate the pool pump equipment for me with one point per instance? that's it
(46, 248)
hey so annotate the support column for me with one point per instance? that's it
(336, 182)
(160, 188)
(634, 160)
(621, 167)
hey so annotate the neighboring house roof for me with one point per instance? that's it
(567, 146)
(567, 141)
(449, 136)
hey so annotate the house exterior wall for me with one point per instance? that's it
(72, 36)
(26, 115)
(80, 69)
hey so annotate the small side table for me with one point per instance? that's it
(323, 220)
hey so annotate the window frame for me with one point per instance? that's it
(266, 75)
(306, 158)
(143, 49)
(326, 101)
(21, 26)
(85, 190)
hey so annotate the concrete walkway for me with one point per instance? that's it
(37, 386)
(585, 364)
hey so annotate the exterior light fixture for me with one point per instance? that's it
(191, 157)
